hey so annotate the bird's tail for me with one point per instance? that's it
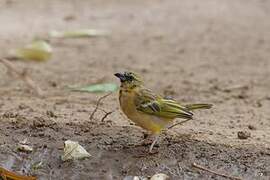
(198, 106)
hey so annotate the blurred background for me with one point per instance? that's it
(194, 51)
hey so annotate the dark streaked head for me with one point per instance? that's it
(129, 78)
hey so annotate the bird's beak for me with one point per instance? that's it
(120, 76)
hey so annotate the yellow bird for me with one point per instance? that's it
(149, 110)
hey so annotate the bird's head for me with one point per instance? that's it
(129, 79)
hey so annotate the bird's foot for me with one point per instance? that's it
(156, 137)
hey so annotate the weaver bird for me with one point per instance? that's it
(148, 110)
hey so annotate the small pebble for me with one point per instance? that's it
(69, 17)
(243, 134)
(251, 127)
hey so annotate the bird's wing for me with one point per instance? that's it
(147, 102)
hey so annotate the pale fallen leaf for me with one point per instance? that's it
(35, 51)
(104, 87)
(23, 146)
(160, 176)
(73, 150)
(81, 33)
(134, 178)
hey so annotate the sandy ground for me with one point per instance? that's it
(195, 51)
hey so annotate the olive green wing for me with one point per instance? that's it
(150, 103)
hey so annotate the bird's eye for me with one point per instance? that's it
(130, 78)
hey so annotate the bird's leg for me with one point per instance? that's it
(156, 137)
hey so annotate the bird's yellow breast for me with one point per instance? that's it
(149, 122)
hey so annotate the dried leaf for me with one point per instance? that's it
(5, 174)
(160, 176)
(105, 87)
(135, 178)
(23, 146)
(82, 33)
(73, 150)
(36, 51)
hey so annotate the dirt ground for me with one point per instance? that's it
(195, 51)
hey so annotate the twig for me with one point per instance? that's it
(182, 122)
(106, 115)
(23, 75)
(235, 87)
(213, 172)
(32, 84)
(179, 169)
(97, 105)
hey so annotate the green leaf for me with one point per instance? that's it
(81, 33)
(105, 87)
(36, 51)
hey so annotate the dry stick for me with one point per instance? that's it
(23, 76)
(97, 105)
(182, 122)
(213, 172)
(106, 115)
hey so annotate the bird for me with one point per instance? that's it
(149, 110)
